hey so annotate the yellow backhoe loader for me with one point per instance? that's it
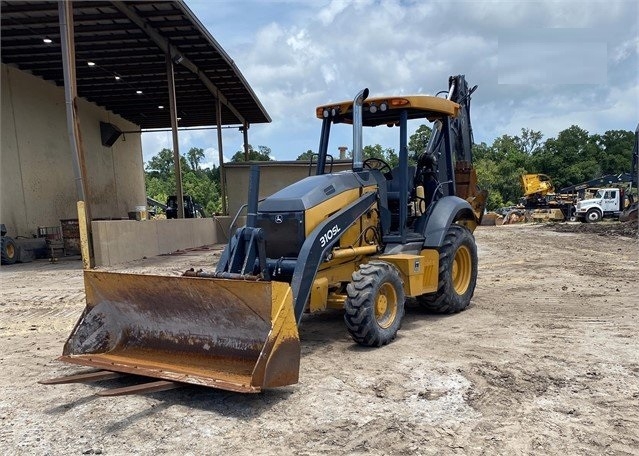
(362, 240)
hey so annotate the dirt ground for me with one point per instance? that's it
(544, 361)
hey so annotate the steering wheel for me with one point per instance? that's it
(378, 164)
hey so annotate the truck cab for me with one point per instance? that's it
(607, 203)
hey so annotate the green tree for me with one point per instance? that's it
(418, 141)
(570, 158)
(202, 184)
(511, 164)
(377, 151)
(482, 151)
(195, 156)
(529, 141)
(489, 179)
(262, 153)
(306, 156)
(615, 151)
(212, 173)
(161, 165)
(159, 189)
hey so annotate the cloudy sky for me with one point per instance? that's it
(544, 65)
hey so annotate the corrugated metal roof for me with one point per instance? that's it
(119, 47)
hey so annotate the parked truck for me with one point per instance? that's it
(610, 201)
(607, 203)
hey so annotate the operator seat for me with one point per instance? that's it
(393, 184)
(394, 192)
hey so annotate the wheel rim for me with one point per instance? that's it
(10, 250)
(386, 305)
(462, 269)
(593, 216)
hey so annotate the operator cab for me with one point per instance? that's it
(410, 188)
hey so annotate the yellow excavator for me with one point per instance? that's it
(536, 187)
(540, 203)
(361, 240)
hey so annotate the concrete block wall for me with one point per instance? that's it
(120, 241)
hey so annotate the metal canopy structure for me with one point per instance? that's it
(127, 44)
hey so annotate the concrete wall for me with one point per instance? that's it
(37, 185)
(274, 176)
(119, 241)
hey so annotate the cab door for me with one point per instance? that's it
(610, 201)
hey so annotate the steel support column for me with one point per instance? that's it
(67, 43)
(218, 117)
(176, 148)
(246, 143)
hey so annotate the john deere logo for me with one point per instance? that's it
(279, 219)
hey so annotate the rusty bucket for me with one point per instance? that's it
(231, 334)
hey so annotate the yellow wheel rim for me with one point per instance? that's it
(386, 305)
(462, 269)
(10, 251)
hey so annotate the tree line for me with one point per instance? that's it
(572, 157)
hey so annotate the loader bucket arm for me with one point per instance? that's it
(237, 335)
(316, 247)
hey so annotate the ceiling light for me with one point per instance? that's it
(47, 40)
(117, 78)
(160, 107)
(91, 63)
(139, 92)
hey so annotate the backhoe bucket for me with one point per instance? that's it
(232, 334)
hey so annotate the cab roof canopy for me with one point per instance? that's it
(126, 43)
(385, 110)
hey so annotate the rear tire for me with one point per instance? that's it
(457, 273)
(9, 253)
(375, 304)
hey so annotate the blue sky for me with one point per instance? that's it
(544, 65)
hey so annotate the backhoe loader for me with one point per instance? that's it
(361, 240)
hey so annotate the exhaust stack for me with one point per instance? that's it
(358, 162)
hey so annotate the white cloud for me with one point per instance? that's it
(625, 50)
(328, 13)
(298, 55)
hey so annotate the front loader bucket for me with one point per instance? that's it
(236, 335)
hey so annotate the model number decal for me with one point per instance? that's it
(330, 234)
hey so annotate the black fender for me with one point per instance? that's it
(435, 223)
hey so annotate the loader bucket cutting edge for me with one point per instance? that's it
(231, 334)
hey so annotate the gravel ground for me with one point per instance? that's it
(544, 361)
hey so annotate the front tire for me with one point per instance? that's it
(457, 273)
(593, 216)
(375, 304)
